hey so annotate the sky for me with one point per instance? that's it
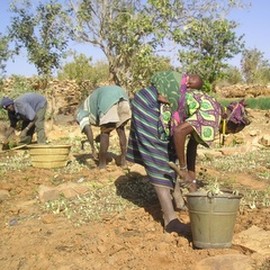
(254, 23)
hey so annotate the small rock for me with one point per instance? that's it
(253, 133)
(265, 140)
(225, 262)
(101, 249)
(47, 219)
(13, 222)
(4, 194)
(48, 193)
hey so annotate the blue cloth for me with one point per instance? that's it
(5, 102)
(27, 105)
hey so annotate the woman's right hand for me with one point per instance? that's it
(189, 180)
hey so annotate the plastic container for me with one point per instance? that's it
(49, 156)
(212, 218)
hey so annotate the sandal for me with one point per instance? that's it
(176, 226)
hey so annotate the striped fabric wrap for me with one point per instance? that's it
(146, 146)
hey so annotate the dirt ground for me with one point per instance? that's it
(32, 237)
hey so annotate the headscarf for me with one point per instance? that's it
(238, 114)
(179, 115)
(167, 84)
(5, 102)
(182, 101)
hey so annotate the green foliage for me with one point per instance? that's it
(117, 27)
(5, 53)
(3, 115)
(207, 44)
(129, 30)
(129, 33)
(86, 75)
(42, 31)
(20, 86)
(255, 68)
(232, 76)
(144, 65)
(81, 69)
(260, 103)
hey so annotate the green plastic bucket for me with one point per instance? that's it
(212, 218)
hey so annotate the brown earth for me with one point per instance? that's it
(33, 237)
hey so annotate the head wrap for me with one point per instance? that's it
(179, 115)
(238, 113)
(167, 84)
(5, 102)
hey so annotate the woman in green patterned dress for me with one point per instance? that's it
(205, 118)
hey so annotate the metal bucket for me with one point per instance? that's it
(212, 218)
(49, 156)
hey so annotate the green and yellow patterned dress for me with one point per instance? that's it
(204, 115)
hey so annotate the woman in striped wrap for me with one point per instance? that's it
(150, 143)
(163, 116)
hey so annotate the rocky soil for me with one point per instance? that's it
(79, 217)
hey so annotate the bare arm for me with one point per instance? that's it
(123, 143)
(191, 156)
(187, 161)
(89, 134)
(179, 137)
(31, 123)
(9, 132)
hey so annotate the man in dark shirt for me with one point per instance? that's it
(31, 109)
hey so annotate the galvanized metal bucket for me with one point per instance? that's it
(212, 218)
(49, 156)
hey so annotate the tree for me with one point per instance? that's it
(42, 31)
(82, 70)
(143, 68)
(233, 75)
(79, 70)
(254, 67)
(118, 28)
(128, 29)
(207, 45)
(5, 53)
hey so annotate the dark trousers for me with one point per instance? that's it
(39, 128)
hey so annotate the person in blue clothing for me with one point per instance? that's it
(30, 108)
(106, 107)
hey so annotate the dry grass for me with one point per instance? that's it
(132, 190)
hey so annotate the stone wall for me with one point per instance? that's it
(63, 96)
(243, 91)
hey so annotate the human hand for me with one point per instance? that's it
(186, 176)
(189, 180)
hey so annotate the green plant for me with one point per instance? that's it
(260, 103)
(213, 188)
(207, 44)
(41, 30)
